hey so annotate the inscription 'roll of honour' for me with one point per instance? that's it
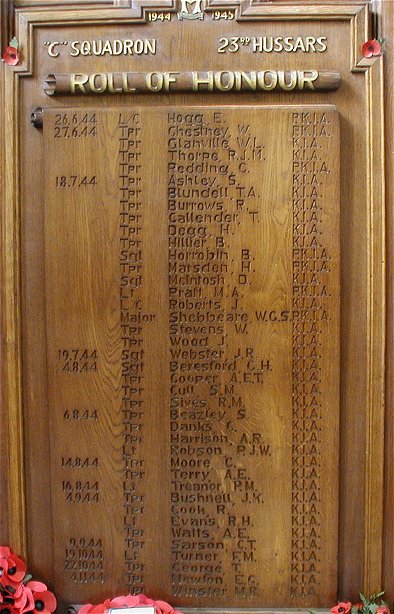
(174, 81)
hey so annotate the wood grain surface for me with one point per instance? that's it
(192, 295)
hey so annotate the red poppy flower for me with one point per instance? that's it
(383, 609)
(12, 568)
(343, 607)
(44, 600)
(11, 56)
(371, 48)
(359, 605)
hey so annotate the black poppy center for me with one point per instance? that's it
(39, 605)
(12, 571)
(5, 611)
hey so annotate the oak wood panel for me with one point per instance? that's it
(247, 333)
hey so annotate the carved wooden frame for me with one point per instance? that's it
(28, 18)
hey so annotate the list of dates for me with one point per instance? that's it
(192, 278)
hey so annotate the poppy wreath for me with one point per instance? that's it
(128, 601)
(19, 594)
(368, 605)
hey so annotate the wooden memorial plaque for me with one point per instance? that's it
(193, 266)
(192, 294)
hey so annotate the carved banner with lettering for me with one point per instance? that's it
(192, 293)
(194, 81)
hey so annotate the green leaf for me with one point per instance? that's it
(14, 43)
(363, 599)
(27, 578)
(373, 598)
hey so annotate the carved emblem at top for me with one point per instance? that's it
(190, 9)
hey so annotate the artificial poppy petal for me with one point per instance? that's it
(25, 601)
(144, 600)
(16, 569)
(37, 587)
(127, 601)
(49, 600)
(165, 607)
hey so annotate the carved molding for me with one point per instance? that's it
(374, 470)
(358, 15)
(11, 309)
(134, 4)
